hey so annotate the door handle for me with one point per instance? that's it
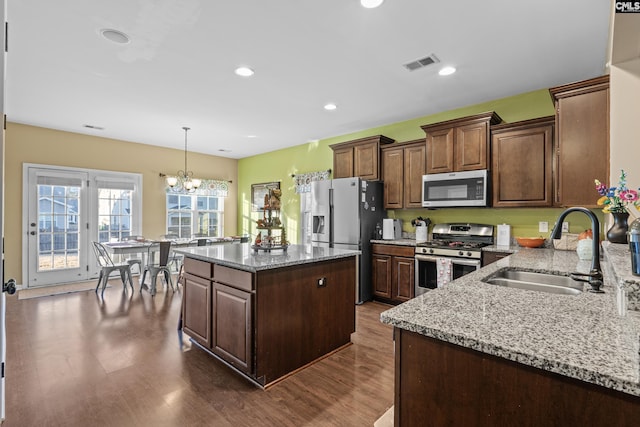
(33, 233)
(9, 287)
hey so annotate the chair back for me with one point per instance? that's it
(165, 248)
(102, 255)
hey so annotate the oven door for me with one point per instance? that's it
(426, 271)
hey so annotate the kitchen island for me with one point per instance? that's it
(269, 314)
(472, 353)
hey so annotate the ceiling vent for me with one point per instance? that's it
(421, 63)
(93, 127)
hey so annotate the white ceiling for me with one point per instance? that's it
(178, 69)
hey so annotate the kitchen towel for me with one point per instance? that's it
(444, 271)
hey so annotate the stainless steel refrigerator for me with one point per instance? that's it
(345, 212)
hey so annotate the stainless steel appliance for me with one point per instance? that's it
(344, 215)
(467, 188)
(453, 251)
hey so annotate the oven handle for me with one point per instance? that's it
(461, 261)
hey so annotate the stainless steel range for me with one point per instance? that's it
(453, 251)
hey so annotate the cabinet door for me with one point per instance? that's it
(343, 162)
(196, 317)
(583, 147)
(365, 161)
(522, 167)
(440, 151)
(471, 147)
(403, 279)
(415, 160)
(392, 176)
(382, 276)
(491, 257)
(232, 328)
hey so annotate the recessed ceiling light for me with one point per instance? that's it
(447, 71)
(244, 71)
(370, 4)
(115, 36)
(252, 136)
(330, 107)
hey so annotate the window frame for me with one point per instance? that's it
(194, 214)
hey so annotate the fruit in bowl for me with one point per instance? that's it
(530, 242)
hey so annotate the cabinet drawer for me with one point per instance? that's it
(232, 277)
(198, 268)
(382, 249)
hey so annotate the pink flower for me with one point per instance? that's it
(629, 195)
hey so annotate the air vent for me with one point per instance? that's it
(94, 127)
(421, 63)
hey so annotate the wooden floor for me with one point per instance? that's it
(75, 360)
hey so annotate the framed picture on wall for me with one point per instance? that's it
(258, 191)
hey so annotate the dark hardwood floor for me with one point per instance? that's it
(76, 360)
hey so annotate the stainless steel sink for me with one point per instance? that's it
(533, 281)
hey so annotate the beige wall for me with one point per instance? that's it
(624, 96)
(29, 144)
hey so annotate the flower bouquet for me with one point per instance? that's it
(616, 201)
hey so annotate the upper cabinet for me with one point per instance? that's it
(460, 144)
(582, 140)
(403, 165)
(522, 163)
(360, 157)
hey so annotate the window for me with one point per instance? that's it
(193, 214)
(114, 208)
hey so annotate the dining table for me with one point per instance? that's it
(147, 247)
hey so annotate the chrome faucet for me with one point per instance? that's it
(594, 277)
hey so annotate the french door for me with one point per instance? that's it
(66, 209)
(57, 229)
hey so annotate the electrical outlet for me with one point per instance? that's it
(565, 227)
(543, 226)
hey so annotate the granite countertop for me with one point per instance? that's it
(243, 257)
(590, 337)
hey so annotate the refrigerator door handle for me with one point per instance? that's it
(331, 236)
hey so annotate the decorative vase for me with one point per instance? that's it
(618, 231)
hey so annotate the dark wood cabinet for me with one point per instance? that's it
(403, 165)
(359, 158)
(439, 383)
(381, 277)
(196, 320)
(460, 144)
(272, 322)
(522, 163)
(393, 272)
(582, 140)
(491, 257)
(231, 324)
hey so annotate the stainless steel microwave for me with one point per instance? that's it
(455, 189)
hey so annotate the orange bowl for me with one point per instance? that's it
(530, 242)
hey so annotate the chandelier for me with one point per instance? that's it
(184, 180)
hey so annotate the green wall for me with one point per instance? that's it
(280, 165)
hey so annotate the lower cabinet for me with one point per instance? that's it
(393, 273)
(231, 337)
(196, 308)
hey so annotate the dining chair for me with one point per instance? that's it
(134, 260)
(175, 259)
(107, 266)
(160, 267)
